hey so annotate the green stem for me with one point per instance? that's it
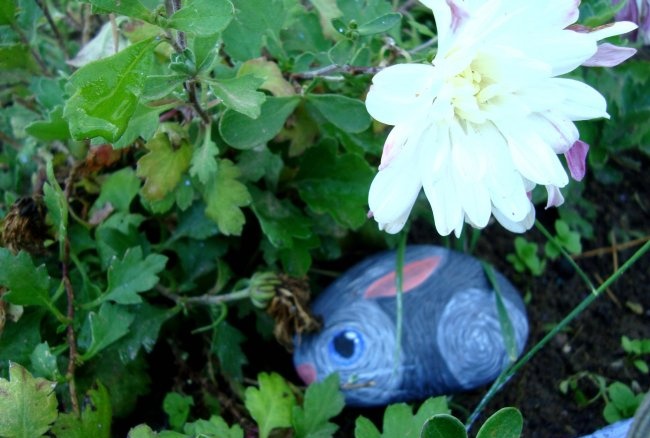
(399, 301)
(566, 255)
(511, 371)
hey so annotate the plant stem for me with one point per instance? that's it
(399, 301)
(55, 29)
(208, 299)
(512, 370)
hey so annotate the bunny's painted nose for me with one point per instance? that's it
(307, 372)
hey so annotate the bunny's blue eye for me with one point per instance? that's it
(346, 347)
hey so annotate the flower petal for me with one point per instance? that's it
(555, 198)
(401, 91)
(576, 158)
(519, 226)
(393, 193)
(581, 102)
(609, 55)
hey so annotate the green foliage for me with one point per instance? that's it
(399, 420)
(27, 285)
(95, 419)
(622, 402)
(177, 407)
(443, 426)
(323, 401)
(505, 423)
(526, 258)
(271, 405)
(28, 405)
(565, 238)
(635, 348)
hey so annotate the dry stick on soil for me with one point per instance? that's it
(610, 249)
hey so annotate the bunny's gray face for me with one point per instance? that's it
(358, 342)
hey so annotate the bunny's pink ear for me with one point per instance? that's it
(415, 273)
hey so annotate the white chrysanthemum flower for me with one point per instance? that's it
(483, 124)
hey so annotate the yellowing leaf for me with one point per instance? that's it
(271, 73)
(27, 405)
(271, 404)
(224, 197)
(162, 167)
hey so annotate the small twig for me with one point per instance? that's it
(610, 249)
(333, 68)
(608, 291)
(115, 31)
(86, 16)
(32, 48)
(55, 29)
(191, 92)
(72, 341)
(208, 299)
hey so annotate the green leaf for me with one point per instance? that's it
(323, 400)
(271, 404)
(203, 164)
(505, 423)
(243, 132)
(226, 344)
(103, 328)
(239, 94)
(105, 93)
(44, 362)
(28, 405)
(132, 275)
(444, 426)
(7, 12)
(177, 408)
(224, 197)
(162, 166)
(26, 284)
(270, 74)
(19, 339)
(131, 8)
(345, 113)
(364, 428)
(281, 221)
(194, 224)
(380, 24)
(55, 128)
(118, 189)
(142, 124)
(144, 334)
(598, 12)
(202, 17)
(255, 25)
(57, 207)
(95, 420)
(342, 52)
(325, 176)
(216, 427)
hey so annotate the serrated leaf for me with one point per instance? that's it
(325, 176)
(271, 75)
(226, 344)
(216, 427)
(145, 333)
(281, 221)
(193, 223)
(132, 275)
(202, 17)
(261, 162)
(105, 93)
(239, 94)
(95, 419)
(27, 285)
(243, 132)
(444, 426)
(19, 339)
(364, 428)
(345, 113)
(255, 25)
(131, 8)
(162, 166)
(177, 408)
(28, 405)
(380, 24)
(142, 124)
(271, 404)
(44, 362)
(55, 128)
(224, 197)
(323, 400)
(505, 423)
(103, 328)
(119, 189)
(204, 164)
